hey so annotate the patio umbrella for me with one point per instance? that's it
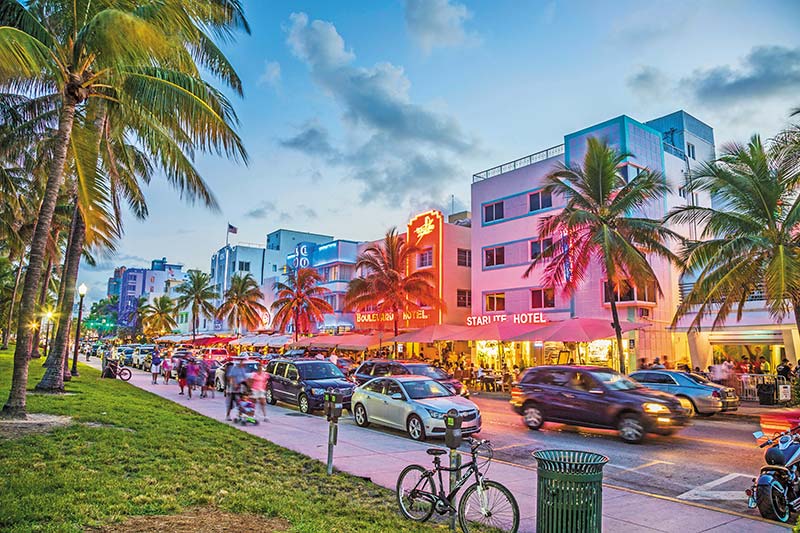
(577, 330)
(437, 332)
(494, 331)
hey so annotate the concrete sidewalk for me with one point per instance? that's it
(380, 456)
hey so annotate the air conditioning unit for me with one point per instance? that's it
(644, 312)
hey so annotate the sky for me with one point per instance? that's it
(358, 114)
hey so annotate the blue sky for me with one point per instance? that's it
(358, 114)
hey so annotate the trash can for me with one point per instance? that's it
(569, 491)
(766, 393)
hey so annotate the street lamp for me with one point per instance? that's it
(81, 292)
(49, 316)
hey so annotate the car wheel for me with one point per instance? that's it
(269, 396)
(360, 414)
(631, 428)
(302, 402)
(532, 415)
(415, 428)
(688, 405)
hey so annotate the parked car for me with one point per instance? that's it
(217, 354)
(219, 372)
(595, 397)
(126, 356)
(346, 365)
(303, 382)
(295, 352)
(413, 403)
(140, 353)
(384, 367)
(697, 394)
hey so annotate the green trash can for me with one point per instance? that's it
(569, 491)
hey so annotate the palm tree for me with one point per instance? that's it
(598, 222)
(241, 303)
(197, 292)
(300, 301)
(159, 317)
(146, 57)
(751, 238)
(386, 285)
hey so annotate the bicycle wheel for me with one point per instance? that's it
(493, 506)
(124, 374)
(417, 507)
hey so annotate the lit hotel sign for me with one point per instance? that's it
(515, 318)
(365, 318)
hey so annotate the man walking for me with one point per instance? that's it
(237, 375)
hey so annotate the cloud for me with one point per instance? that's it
(393, 135)
(437, 24)
(648, 82)
(312, 140)
(271, 74)
(765, 72)
(262, 210)
(113, 261)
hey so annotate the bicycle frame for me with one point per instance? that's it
(471, 467)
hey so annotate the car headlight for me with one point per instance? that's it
(317, 392)
(436, 414)
(465, 391)
(655, 408)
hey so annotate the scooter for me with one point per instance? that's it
(776, 491)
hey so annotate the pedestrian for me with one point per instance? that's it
(202, 375)
(667, 364)
(210, 381)
(258, 388)
(181, 375)
(237, 375)
(642, 363)
(166, 369)
(192, 370)
(785, 369)
(763, 364)
(657, 364)
(155, 367)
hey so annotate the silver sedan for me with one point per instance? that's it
(415, 404)
(696, 394)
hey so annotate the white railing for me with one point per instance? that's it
(519, 163)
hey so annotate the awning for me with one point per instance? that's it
(353, 341)
(208, 341)
(437, 332)
(495, 331)
(577, 330)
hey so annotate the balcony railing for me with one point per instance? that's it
(674, 150)
(756, 296)
(519, 163)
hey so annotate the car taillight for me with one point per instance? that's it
(516, 391)
(715, 394)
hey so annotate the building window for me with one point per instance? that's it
(540, 200)
(649, 291)
(625, 292)
(493, 212)
(274, 268)
(244, 266)
(690, 150)
(425, 258)
(543, 298)
(463, 298)
(464, 257)
(495, 256)
(537, 247)
(496, 301)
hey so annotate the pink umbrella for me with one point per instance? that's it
(577, 330)
(495, 331)
(437, 332)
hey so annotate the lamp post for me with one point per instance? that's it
(49, 317)
(81, 292)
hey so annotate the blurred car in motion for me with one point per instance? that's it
(697, 394)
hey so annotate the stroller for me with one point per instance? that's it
(246, 411)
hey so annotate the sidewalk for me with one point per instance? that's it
(380, 457)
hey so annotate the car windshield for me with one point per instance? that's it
(427, 371)
(697, 378)
(615, 381)
(321, 370)
(426, 388)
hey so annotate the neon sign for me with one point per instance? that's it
(515, 318)
(421, 314)
(426, 228)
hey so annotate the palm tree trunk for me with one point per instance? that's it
(396, 330)
(617, 329)
(296, 327)
(15, 405)
(57, 371)
(7, 331)
(61, 286)
(42, 297)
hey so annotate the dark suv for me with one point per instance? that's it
(595, 397)
(382, 367)
(303, 382)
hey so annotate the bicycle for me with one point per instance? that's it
(484, 502)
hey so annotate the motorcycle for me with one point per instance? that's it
(776, 491)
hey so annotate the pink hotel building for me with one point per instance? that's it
(508, 206)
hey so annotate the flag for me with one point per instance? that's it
(233, 229)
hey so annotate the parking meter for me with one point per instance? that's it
(452, 435)
(333, 405)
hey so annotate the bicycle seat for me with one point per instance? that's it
(436, 451)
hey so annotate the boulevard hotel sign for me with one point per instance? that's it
(372, 318)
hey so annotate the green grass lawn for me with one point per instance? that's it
(151, 456)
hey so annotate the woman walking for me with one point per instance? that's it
(192, 369)
(166, 369)
(258, 387)
(181, 374)
(202, 375)
(155, 367)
